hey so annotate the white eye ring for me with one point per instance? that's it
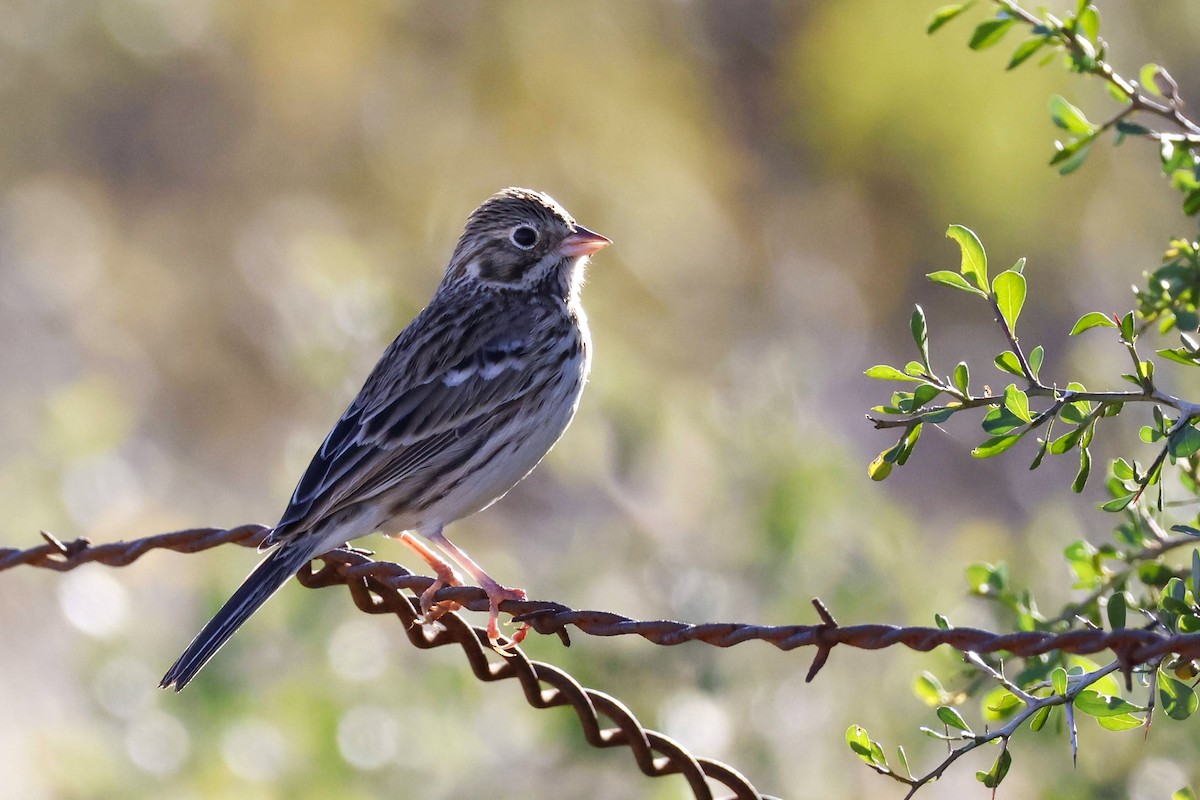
(520, 236)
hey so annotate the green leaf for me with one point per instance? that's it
(1121, 722)
(1101, 705)
(880, 467)
(974, 259)
(1009, 288)
(1119, 503)
(885, 373)
(944, 14)
(999, 704)
(903, 760)
(1176, 697)
(1184, 443)
(990, 32)
(992, 778)
(1085, 469)
(953, 279)
(929, 689)
(1058, 679)
(1017, 402)
(952, 718)
(962, 377)
(1191, 203)
(1071, 156)
(1008, 362)
(942, 623)
(995, 446)
(1089, 22)
(1036, 357)
(1128, 332)
(1025, 50)
(1148, 78)
(1039, 719)
(1069, 118)
(1185, 793)
(1118, 605)
(920, 333)
(1092, 319)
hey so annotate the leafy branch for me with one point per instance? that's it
(1130, 577)
(1076, 39)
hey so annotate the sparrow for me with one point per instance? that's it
(461, 406)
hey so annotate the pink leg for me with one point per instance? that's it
(496, 593)
(446, 576)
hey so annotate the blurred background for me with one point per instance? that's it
(215, 215)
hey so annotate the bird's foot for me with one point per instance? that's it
(430, 611)
(496, 595)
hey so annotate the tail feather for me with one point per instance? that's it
(264, 581)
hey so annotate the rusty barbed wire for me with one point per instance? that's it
(375, 587)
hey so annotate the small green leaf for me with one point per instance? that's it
(1017, 402)
(944, 14)
(880, 467)
(859, 742)
(1148, 77)
(1128, 332)
(1184, 443)
(953, 279)
(962, 377)
(1009, 288)
(1036, 357)
(903, 760)
(942, 623)
(1101, 705)
(1069, 118)
(995, 446)
(1025, 51)
(920, 333)
(1058, 679)
(1092, 319)
(990, 32)
(1119, 503)
(1176, 697)
(1085, 469)
(1122, 470)
(929, 689)
(1121, 722)
(1008, 362)
(1185, 793)
(1118, 605)
(974, 259)
(885, 373)
(992, 778)
(1039, 719)
(1089, 22)
(952, 718)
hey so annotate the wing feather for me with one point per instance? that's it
(408, 414)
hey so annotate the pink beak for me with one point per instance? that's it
(583, 243)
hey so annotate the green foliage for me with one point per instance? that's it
(1131, 577)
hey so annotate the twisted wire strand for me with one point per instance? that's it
(375, 587)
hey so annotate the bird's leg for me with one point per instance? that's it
(446, 576)
(496, 593)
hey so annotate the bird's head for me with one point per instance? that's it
(520, 239)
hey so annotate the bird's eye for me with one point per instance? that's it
(524, 237)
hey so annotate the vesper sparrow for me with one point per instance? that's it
(461, 406)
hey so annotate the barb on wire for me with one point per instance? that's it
(375, 587)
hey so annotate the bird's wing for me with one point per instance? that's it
(421, 398)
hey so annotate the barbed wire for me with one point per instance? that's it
(375, 587)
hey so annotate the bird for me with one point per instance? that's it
(459, 408)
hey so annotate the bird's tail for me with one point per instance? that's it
(264, 581)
